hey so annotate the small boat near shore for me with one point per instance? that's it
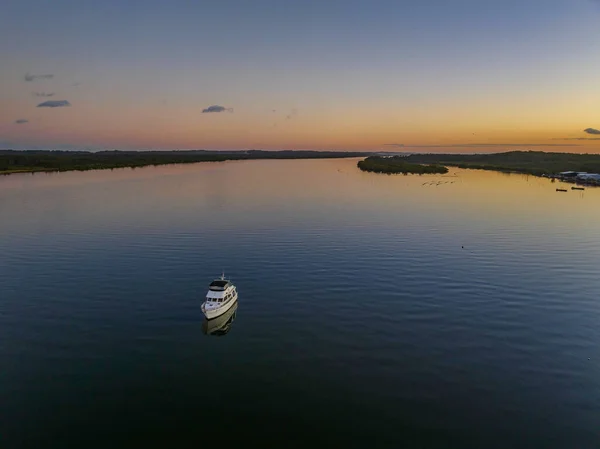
(221, 297)
(577, 188)
(561, 190)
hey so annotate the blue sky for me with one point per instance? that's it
(338, 74)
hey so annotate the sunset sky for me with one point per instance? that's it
(418, 75)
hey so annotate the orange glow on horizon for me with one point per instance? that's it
(139, 126)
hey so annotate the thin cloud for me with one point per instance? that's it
(29, 77)
(43, 94)
(291, 115)
(216, 108)
(21, 121)
(591, 131)
(54, 104)
(576, 138)
(476, 145)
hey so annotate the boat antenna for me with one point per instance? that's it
(223, 275)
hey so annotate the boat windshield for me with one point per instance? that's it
(219, 285)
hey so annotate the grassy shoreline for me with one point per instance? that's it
(398, 164)
(535, 163)
(13, 162)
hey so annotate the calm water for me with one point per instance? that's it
(362, 320)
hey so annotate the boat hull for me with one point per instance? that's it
(217, 312)
(222, 324)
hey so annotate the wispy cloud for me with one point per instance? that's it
(292, 114)
(21, 121)
(591, 131)
(29, 77)
(54, 104)
(216, 108)
(479, 145)
(43, 94)
(576, 138)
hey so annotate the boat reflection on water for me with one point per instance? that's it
(222, 324)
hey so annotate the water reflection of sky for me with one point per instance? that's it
(285, 194)
(485, 308)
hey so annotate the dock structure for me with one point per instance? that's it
(581, 178)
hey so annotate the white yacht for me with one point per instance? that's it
(221, 296)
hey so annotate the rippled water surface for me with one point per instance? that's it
(375, 311)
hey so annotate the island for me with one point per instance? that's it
(31, 161)
(398, 164)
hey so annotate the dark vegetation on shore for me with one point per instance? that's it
(12, 161)
(398, 164)
(529, 162)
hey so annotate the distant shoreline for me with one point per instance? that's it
(582, 169)
(14, 162)
(537, 163)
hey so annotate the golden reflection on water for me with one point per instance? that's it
(264, 190)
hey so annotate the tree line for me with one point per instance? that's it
(398, 164)
(14, 161)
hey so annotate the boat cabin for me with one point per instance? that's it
(219, 285)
